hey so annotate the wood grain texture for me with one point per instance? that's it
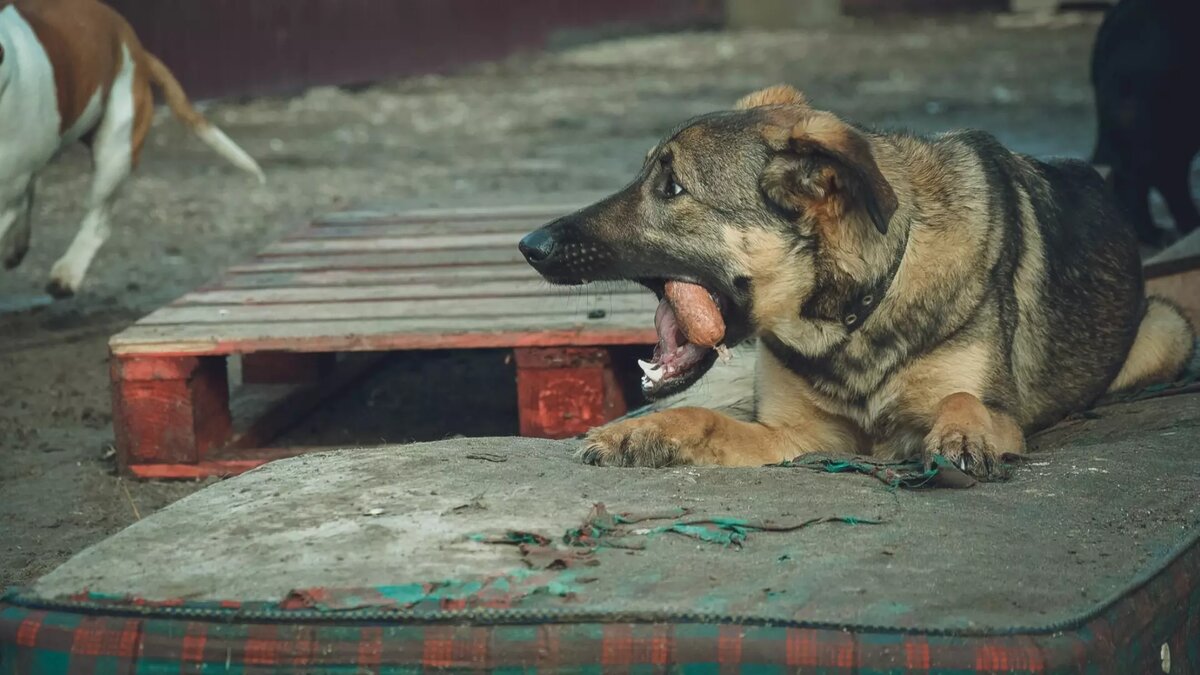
(381, 335)
(364, 282)
(169, 409)
(563, 392)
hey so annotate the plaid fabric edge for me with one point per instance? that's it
(1155, 625)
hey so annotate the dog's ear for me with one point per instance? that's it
(780, 94)
(825, 167)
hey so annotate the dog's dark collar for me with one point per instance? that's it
(854, 311)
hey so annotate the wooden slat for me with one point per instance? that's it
(525, 288)
(377, 280)
(385, 335)
(387, 228)
(443, 215)
(400, 260)
(450, 276)
(386, 244)
(431, 308)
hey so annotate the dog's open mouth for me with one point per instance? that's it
(676, 362)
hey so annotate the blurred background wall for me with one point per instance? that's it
(222, 48)
(254, 47)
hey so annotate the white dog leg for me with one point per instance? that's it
(112, 154)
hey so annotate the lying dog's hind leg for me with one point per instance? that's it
(1161, 350)
(973, 436)
(680, 436)
(112, 154)
(16, 222)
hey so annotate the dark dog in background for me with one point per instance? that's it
(1145, 68)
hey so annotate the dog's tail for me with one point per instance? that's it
(213, 137)
(1162, 349)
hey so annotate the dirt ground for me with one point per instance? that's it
(580, 118)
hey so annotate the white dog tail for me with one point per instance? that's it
(179, 104)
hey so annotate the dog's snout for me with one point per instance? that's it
(537, 246)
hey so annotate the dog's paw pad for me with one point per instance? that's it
(971, 451)
(58, 288)
(629, 443)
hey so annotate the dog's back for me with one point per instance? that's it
(1071, 341)
(85, 62)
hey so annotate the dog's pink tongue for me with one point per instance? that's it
(666, 324)
(674, 353)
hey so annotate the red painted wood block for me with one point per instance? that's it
(169, 409)
(564, 391)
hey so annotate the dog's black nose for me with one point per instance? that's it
(537, 246)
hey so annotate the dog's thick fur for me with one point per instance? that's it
(910, 296)
(73, 70)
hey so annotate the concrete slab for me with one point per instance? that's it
(1104, 504)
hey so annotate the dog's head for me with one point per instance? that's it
(752, 204)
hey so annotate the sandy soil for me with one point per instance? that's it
(578, 119)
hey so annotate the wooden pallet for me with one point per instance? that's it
(312, 311)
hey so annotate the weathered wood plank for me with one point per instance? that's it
(387, 229)
(386, 335)
(398, 260)
(529, 310)
(449, 288)
(445, 215)
(333, 327)
(460, 242)
(449, 276)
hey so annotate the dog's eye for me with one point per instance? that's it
(672, 188)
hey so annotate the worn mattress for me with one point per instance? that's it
(497, 554)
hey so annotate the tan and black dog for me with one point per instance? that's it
(911, 296)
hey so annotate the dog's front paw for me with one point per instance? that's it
(971, 449)
(64, 280)
(974, 438)
(636, 442)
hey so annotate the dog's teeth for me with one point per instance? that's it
(649, 368)
(724, 354)
(654, 371)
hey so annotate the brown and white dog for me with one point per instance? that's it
(73, 70)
